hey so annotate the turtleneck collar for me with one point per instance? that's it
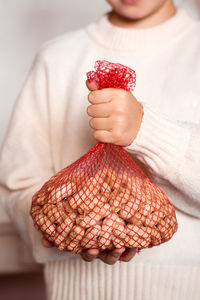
(117, 38)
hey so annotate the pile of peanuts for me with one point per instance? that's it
(104, 211)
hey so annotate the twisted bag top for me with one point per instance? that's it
(103, 200)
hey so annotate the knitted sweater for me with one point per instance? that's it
(50, 129)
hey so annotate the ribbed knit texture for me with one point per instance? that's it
(133, 40)
(76, 279)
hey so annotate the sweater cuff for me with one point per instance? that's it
(160, 140)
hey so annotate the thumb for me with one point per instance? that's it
(46, 243)
(92, 85)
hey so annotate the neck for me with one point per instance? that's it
(162, 14)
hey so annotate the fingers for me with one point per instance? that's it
(111, 257)
(101, 123)
(46, 243)
(99, 110)
(101, 96)
(104, 136)
(128, 254)
(92, 85)
(89, 255)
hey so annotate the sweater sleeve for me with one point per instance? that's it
(171, 152)
(25, 158)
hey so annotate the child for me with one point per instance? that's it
(159, 126)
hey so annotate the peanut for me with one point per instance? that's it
(146, 196)
(54, 214)
(125, 195)
(114, 218)
(87, 205)
(90, 238)
(73, 246)
(104, 210)
(168, 234)
(132, 242)
(105, 237)
(65, 227)
(136, 242)
(61, 246)
(119, 231)
(115, 205)
(116, 200)
(97, 179)
(88, 190)
(155, 237)
(46, 207)
(162, 227)
(141, 231)
(74, 201)
(63, 191)
(136, 187)
(35, 210)
(76, 233)
(67, 208)
(137, 219)
(154, 218)
(41, 199)
(37, 227)
(86, 193)
(72, 215)
(146, 208)
(129, 209)
(105, 189)
(144, 243)
(89, 220)
(168, 209)
(126, 180)
(58, 240)
(113, 181)
(166, 224)
(117, 243)
(45, 224)
(156, 204)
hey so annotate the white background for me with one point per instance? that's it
(25, 25)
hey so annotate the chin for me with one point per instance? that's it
(132, 15)
(141, 10)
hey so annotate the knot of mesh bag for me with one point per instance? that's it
(112, 75)
(103, 200)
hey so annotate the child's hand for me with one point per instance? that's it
(46, 243)
(116, 115)
(109, 257)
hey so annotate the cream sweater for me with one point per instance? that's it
(50, 129)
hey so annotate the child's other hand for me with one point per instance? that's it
(116, 115)
(109, 257)
(46, 243)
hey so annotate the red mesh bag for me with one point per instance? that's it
(103, 200)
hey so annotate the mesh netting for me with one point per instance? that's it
(110, 75)
(103, 200)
